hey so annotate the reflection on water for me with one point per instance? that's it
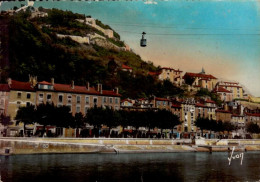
(130, 167)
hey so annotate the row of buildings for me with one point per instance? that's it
(17, 94)
(189, 110)
(225, 89)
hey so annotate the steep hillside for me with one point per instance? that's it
(45, 46)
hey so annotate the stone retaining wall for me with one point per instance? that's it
(14, 145)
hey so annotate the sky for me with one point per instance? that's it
(221, 36)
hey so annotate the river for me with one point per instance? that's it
(130, 167)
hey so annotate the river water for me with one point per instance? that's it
(130, 167)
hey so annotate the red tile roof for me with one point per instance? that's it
(126, 67)
(77, 89)
(253, 114)
(199, 75)
(83, 90)
(154, 73)
(168, 68)
(236, 115)
(210, 101)
(230, 86)
(44, 83)
(161, 99)
(110, 93)
(200, 105)
(204, 79)
(4, 87)
(220, 89)
(224, 111)
(26, 86)
(128, 100)
(232, 82)
(23, 86)
(176, 105)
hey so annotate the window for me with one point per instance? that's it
(2, 102)
(110, 100)
(19, 95)
(95, 100)
(78, 99)
(87, 100)
(86, 110)
(78, 109)
(60, 98)
(104, 100)
(40, 98)
(18, 104)
(28, 96)
(28, 104)
(69, 99)
(48, 96)
(116, 100)
(69, 107)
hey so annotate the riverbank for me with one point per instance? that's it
(9, 146)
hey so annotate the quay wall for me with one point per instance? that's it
(12, 145)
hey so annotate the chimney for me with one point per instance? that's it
(52, 81)
(99, 88)
(116, 90)
(87, 85)
(72, 84)
(226, 107)
(9, 82)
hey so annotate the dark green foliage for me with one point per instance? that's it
(227, 126)
(189, 80)
(213, 96)
(5, 120)
(99, 23)
(63, 18)
(141, 86)
(78, 121)
(25, 115)
(37, 51)
(202, 123)
(63, 117)
(45, 114)
(252, 127)
(162, 119)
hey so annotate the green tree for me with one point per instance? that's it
(63, 117)
(78, 122)
(166, 120)
(252, 127)
(227, 126)
(123, 119)
(94, 117)
(189, 80)
(110, 118)
(202, 123)
(25, 115)
(45, 115)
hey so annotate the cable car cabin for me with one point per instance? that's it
(143, 40)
